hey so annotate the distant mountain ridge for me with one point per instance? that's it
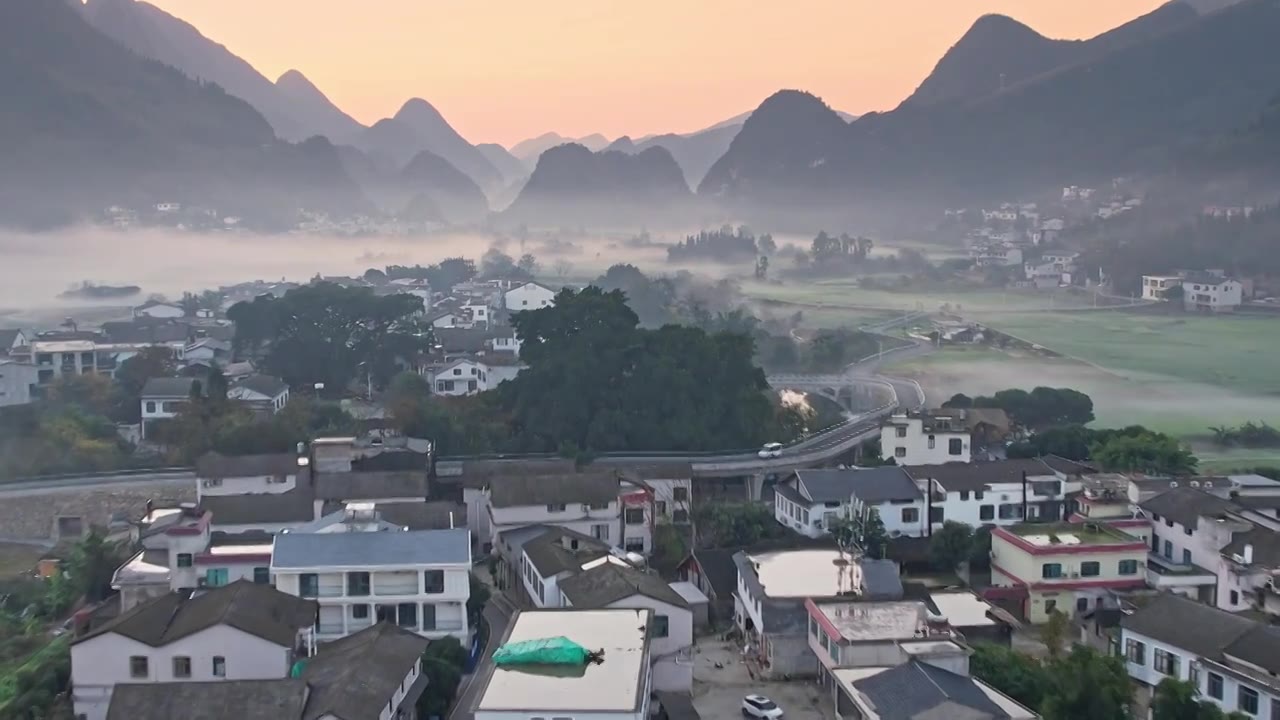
(418, 126)
(88, 123)
(296, 110)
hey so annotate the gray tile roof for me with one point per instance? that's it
(978, 476)
(268, 385)
(296, 551)
(1264, 541)
(353, 678)
(371, 485)
(881, 579)
(717, 567)
(1259, 646)
(610, 582)
(7, 337)
(290, 507)
(227, 700)
(525, 490)
(553, 550)
(1185, 505)
(217, 465)
(146, 332)
(438, 515)
(1187, 624)
(259, 610)
(873, 485)
(168, 387)
(917, 690)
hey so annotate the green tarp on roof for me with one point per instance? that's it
(545, 651)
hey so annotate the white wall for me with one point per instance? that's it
(16, 380)
(529, 297)
(100, 663)
(966, 506)
(248, 485)
(575, 516)
(386, 588)
(917, 447)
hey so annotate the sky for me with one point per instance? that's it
(506, 70)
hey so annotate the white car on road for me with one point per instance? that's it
(770, 450)
(759, 706)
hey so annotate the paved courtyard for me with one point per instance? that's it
(718, 691)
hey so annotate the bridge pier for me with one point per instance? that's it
(755, 487)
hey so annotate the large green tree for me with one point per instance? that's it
(1015, 674)
(950, 545)
(1085, 683)
(596, 381)
(1145, 452)
(1179, 700)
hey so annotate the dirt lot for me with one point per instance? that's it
(718, 692)
(18, 559)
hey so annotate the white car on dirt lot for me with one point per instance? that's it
(759, 706)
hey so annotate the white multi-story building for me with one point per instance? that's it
(159, 309)
(241, 631)
(1232, 661)
(999, 493)
(810, 501)
(416, 580)
(1199, 291)
(617, 688)
(163, 399)
(925, 439)
(586, 502)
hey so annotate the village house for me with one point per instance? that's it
(1210, 292)
(375, 673)
(417, 580)
(586, 502)
(617, 688)
(17, 382)
(11, 339)
(470, 375)
(924, 438)
(1063, 566)
(241, 631)
(159, 309)
(529, 296)
(811, 501)
(1001, 492)
(1231, 660)
(163, 399)
(264, 394)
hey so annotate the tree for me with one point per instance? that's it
(374, 276)
(959, 400)
(1145, 452)
(1085, 683)
(476, 601)
(528, 264)
(1015, 674)
(864, 531)
(766, 245)
(1179, 700)
(562, 268)
(1054, 632)
(980, 549)
(734, 524)
(442, 662)
(497, 264)
(950, 545)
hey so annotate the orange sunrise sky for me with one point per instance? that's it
(505, 70)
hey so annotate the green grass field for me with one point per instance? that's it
(1238, 353)
(841, 293)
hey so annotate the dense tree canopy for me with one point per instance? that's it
(325, 333)
(596, 381)
(1082, 683)
(1043, 407)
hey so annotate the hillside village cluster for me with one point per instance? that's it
(311, 583)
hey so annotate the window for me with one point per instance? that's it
(432, 582)
(1188, 530)
(634, 516)
(429, 614)
(1135, 652)
(1275, 709)
(680, 516)
(1164, 662)
(910, 515)
(137, 666)
(407, 615)
(964, 494)
(1214, 686)
(933, 442)
(555, 507)
(182, 667)
(1082, 604)
(1186, 556)
(986, 512)
(977, 495)
(1090, 568)
(600, 531)
(661, 507)
(680, 494)
(1168, 522)
(216, 577)
(955, 446)
(457, 371)
(936, 515)
(184, 559)
(1168, 550)
(151, 406)
(661, 626)
(1009, 511)
(360, 612)
(308, 585)
(219, 666)
(1235, 597)
(358, 583)
(598, 506)
(1128, 567)
(1247, 700)
(900, 452)
(1050, 606)
(1051, 570)
(901, 431)
(634, 544)
(262, 576)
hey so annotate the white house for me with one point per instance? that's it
(17, 380)
(999, 493)
(617, 688)
(207, 352)
(471, 375)
(218, 474)
(375, 673)
(611, 583)
(241, 631)
(1200, 291)
(418, 580)
(551, 555)
(529, 296)
(163, 399)
(585, 502)
(913, 438)
(159, 309)
(1231, 660)
(261, 392)
(810, 501)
